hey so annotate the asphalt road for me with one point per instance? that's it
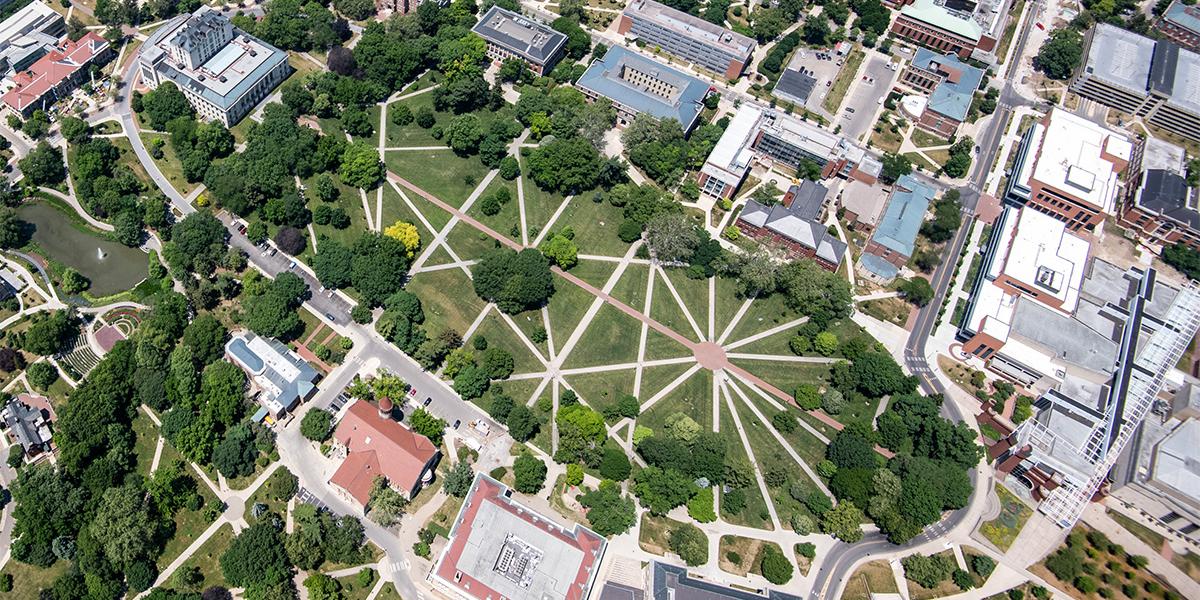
(842, 558)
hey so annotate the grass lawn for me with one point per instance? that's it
(728, 303)
(772, 457)
(919, 160)
(29, 580)
(692, 397)
(755, 514)
(885, 139)
(786, 376)
(655, 379)
(741, 555)
(1150, 537)
(568, 305)
(170, 164)
(923, 139)
(396, 209)
(631, 288)
(874, 577)
(764, 313)
(888, 310)
(540, 205)
(653, 534)
(595, 225)
(845, 76)
(776, 343)
(500, 335)
(413, 135)
(453, 179)
(352, 590)
(264, 493)
(943, 589)
(1002, 530)
(146, 442)
(189, 524)
(659, 346)
(608, 340)
(601, 390)
(693, 293)
(470, 243)
(442, 520)
(448, 300)
(595, 272)
(208, 557)
(811, 449)
(388, 592)
(508, 220)
(350, 200)
(129, 159)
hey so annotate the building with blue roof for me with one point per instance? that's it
(636, 84)
(1181, 24)
(223, 71)
(281, 377)
(950, 85)
(895, 237)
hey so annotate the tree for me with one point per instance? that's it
(463, 134)
(825, 343)
(316, 425)
(561, 250)
(41, 375)
(76, 130)
(816, 31)
(44, 165)
(471, 382)
(672, 237)
(895, 166)
(807, 396)
(234, 455)
(515, 281)
(361, 166)
(1061, 54)
(123, 525)
(565, 165)
(983, 565)
(12, 228)
(877, 374)
(256, 555)
(690, 544)
(843, 522)
(660, 490)
(521, 423)
(11, 360)
(73, 282)
(530, 473)
(578, 41)
(164, 103)
(775, 567)
(427, 425)
(48, 334)
(614, 465)
(406, 233)
(784, 421)
(1184, 258)
(379, 267)
(358, 10)
(206, 336)
(927, 571)
(457, 481)
(960, 159)
(609, 512)
(497, 363)
(833, 402)
(916, 290)
(384, 504)
(319, 585)
(682, 427)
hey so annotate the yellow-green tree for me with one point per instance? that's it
(406, 233)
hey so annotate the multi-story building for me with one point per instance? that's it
(1181, 24)
(27, 36)
(1069, 167)
(950, 85)
(669, 582)
(688, 37)
(511, 35)
(223, 71)
(57, 73)
(779, 140)
(862, 204)
(373, 444)
(1152, 80)
(636, 84)
(895, 237)
(1159, 207)
(279, 377)
(794, 226)
(932, 24)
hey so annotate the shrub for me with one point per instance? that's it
(1085, 584)
(775, 566)
(962, 579)
(700, 507)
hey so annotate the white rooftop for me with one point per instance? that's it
(1176, 463)
(1071, 159)
(732, 155)
(1047, 257)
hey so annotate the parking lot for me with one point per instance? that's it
(866, 97)
(821, 65)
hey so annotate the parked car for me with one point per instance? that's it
(427, 401)
(457, 422)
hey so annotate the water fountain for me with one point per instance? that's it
(100, 253)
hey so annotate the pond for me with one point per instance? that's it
(117, 269)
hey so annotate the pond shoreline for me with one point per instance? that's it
(64, 239)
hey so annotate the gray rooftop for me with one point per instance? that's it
(692, 26)
(681, 100)
(1167, 194)
(1140, 64)
(28, 425)
(1176, 464)
(674, 583)
(797, 222)
(795, 85)
(1070, 340)
(532, 39)
(283, 376)
(1183, 15)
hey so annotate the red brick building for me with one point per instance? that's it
(1181, 24)
(933, 26)
(794, 226)
(56, 74)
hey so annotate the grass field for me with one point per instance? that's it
(846, 76)
(1003, 530)
(445, 304)
(29, 580)
(874, 577)
(451, 182)
(208, 557)
(653, 534)
(943, 589)
(741, 555)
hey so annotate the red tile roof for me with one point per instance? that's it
(51, 69)
(378, 446)
(488, 490)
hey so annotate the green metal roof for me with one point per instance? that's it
(927, 11)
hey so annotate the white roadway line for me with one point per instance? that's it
(682, 306)
(737, 317)
(779, 438)
(768, 333)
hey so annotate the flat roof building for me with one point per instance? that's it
(56, 74)
(1069, 167)
(512, 35)
(669, 582)
(500, 548)
(27, 36)
(636, 84)
(224, 71)
(688, 37)
(892, 243)
(372, 445)
(863, 204)
(950, 85)
(283, 378)
(1159, 207)
(1152, 80)
(1181, 24)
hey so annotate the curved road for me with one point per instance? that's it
(842, 559)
